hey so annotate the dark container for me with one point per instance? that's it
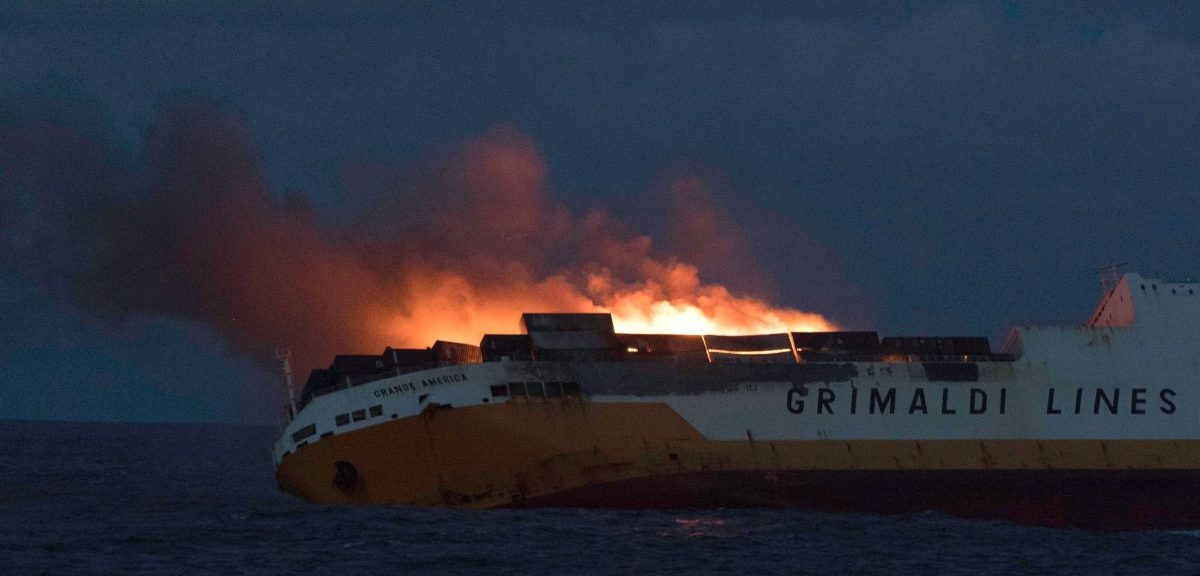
(494, 347)
(757, 343)
(405, 357)
(456, 353)
(937, 345)
(599, 323)
(838, 342)
(318, 381)
(678, 346)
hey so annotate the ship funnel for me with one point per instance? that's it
(284, 356)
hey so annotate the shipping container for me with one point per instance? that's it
(318, 381)
(574, 340)
(496, 347)
(937, 345)
(837, 342)
(680, 346)
(596, 323)
(357, 364)
(577, 354)
(404, 357)
(784, 357)
(758, 343)
(456, 353)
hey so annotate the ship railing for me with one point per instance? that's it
(835, 357)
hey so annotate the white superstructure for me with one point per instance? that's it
(1131, 373)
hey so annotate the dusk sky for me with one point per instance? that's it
(924, 168)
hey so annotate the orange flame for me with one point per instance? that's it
(448, 306)
(731, 316)
(497, 225)
(696, 308)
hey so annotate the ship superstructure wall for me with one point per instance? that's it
(1173, 306)
(1026, 399)
(905, 400)
(1133, 380)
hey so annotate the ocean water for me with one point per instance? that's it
(186, 499)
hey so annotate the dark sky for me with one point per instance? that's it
(928, 168)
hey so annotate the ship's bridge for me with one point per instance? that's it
(1137, 300)
(1138, 321)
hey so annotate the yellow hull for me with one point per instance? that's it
(533, 452)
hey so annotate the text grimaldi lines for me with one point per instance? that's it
(977, 401)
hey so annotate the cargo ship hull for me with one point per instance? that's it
(578, 455)
(1122, 499)
(1096, 425)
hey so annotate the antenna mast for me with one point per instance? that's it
(284, 356)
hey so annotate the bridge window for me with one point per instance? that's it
(554, 389)
(499, 390)
(571, 388)
(377, 410)
(342, 419)
(359, 415)
(516, 388)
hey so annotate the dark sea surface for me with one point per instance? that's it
(192, 499)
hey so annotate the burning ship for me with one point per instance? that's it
(1093, 425)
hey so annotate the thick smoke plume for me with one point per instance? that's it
(454, 247)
